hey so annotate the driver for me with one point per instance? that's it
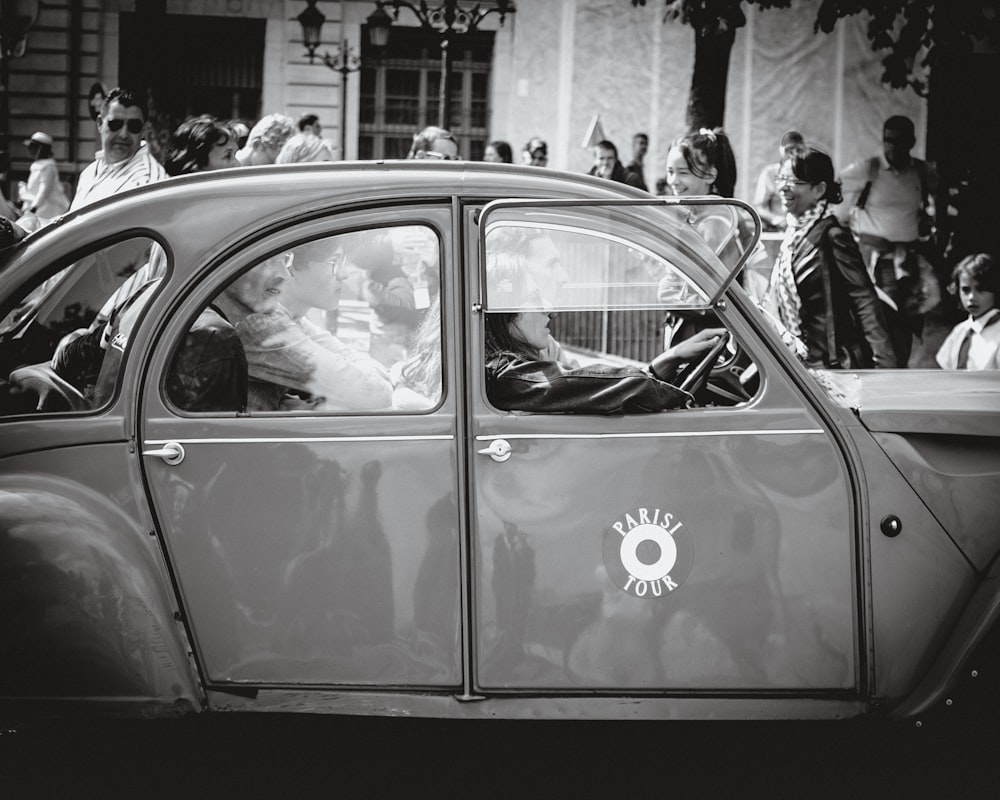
(520, 376)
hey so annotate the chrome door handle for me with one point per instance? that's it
(172, 453)
(499, 450)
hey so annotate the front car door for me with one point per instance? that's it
(702, 549)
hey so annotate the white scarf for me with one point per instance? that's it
(783, 287)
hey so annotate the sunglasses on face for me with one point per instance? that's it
(134, 125)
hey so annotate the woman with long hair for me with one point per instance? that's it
(520, 376)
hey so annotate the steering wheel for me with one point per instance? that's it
(693, 376)
(54, 392)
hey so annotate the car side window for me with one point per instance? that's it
(56, 351)
(348, 323)
(574, 319)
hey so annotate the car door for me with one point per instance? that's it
(694, 549)
(314, 541)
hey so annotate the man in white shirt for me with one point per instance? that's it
(887, 203)
(124, 162)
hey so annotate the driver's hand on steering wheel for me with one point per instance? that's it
(696, 346)
(665, 365)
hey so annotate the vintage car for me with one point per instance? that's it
(252, 459)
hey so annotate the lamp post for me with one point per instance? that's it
(346, 60)
(448, 20)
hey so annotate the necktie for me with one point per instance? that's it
(963, 349)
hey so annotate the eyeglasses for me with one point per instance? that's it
(790, 180)
(134, 125)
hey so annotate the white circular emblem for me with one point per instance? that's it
(629, 552)
(648, 552)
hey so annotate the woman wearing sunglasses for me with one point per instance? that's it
(820, 287)
(124, 161)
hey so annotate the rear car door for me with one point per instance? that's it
(314, 541)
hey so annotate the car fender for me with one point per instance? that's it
(970, 647)
(87, 608)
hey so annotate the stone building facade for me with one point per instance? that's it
(547, 71)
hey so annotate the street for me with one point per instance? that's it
(306, 756)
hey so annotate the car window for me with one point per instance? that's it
(55, 342)
(573, 319)
(348, 323)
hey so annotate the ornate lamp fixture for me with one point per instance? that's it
(345, 60)
(447, 19)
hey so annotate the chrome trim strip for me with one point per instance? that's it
(489, 437)
(650, 435)
(302, 439)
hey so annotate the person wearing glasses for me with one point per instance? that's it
(124, 161)
(199, 144)
(295, 364)
(819, 287)
(434, 143)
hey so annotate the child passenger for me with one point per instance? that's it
(975, 342)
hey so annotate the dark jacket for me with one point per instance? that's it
(623, 175)
(842, 321)
(518, 384)
(209, 372)
(636, 169)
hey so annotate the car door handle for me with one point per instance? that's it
(172, 453)
(499, 450)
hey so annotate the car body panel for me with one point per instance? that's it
(941, 430)
(384, 564)
(88, 607)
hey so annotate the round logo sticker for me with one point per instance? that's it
(648, 553)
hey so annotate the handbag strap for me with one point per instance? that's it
(873, 166)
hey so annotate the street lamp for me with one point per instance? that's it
(447, 20)
(345, 60)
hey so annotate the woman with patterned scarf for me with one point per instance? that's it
(819, 285)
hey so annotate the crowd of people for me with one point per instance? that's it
(851, 284)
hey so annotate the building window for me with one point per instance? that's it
(400, 92)
(192, 65)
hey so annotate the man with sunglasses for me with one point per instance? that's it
(124, 160)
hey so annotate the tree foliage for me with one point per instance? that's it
(916, 35)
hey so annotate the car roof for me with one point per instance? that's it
(252, 195)
(257, 200)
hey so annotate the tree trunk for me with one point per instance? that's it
(707, 98)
